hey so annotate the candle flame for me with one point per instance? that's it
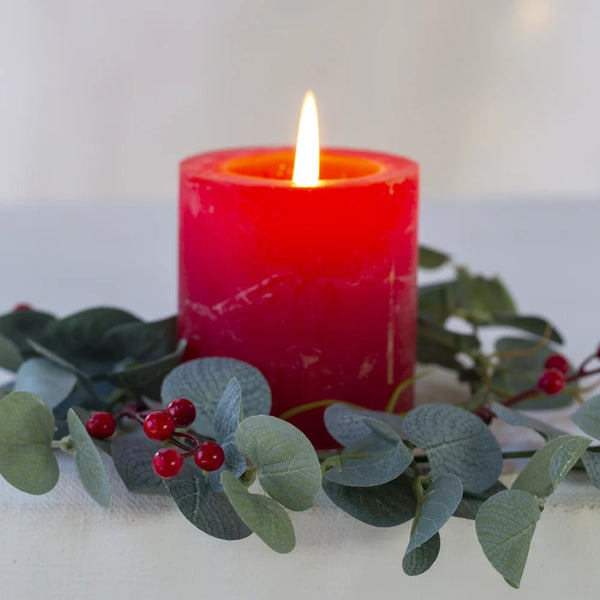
(306, 162)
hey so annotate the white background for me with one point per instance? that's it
(495, 99)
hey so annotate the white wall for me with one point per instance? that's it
(493, 97)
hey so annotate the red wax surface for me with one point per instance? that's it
(315, 286)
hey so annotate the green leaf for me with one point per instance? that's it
(440, 346)
(10, 355)
(261, 514)
(26, 430)
(346, 424)
(436, 301)
(83, 332)
(587, 417)
(457, 442)
(431, 259)
(143, 341)
(90, 467)
(591, 462)
(139, 377)
(227, 418)
(132, 454)
(384, 505)
(437, 506)
(549, 465)
(469, 505)
(421, 558)
(530, 324)
(208, 510)
(375, 459)
(23, 325)
(203, 380)
(287, 465)
(505, 525)
(45, 379)
(518, 419)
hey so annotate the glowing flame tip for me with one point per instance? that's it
(306, 162)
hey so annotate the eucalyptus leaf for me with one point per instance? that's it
(132, 454)
(377, 458)
(138, 377)
(505, 525)
(518, 419)
(26, 429)
(422, 557)
(45, 379)
(287, 464)
(431, 259)
(227, 418)
(437, 505)
(436, 301)
(88, 461)
(387, 505)
(208, 510)
(470, 503)
(346, 424)
(261, 514)
(22, 325)
(143, 341)
(587, 417)
(203, 380)
(457, 442)
(10, 355)
(591, 463)
(549, 465)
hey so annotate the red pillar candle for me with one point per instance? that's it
(315, 286)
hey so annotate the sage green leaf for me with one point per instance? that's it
(346, 424)
(132, 454)
(88, 461)
(227, 418)
(530, 324)
(470, 503)
(591, 462)
(440, 346)
(22, 325)
(26, 430)
(431, 259)
(505, 525)
(518, 419)
(587, 417)
(377, 458)
(438, 504)
(262, 514)
(10, 355)
(208, 510)
(83, 332)
(143, 341)
(436, 301)
(549, 465)
(457, 442)
(203, 380)
(45, 379)
(287, 465)
(422, 557)
(384, 505)
(138, 377)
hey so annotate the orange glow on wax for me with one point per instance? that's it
(306, 161)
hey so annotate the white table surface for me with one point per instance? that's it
(62, 545)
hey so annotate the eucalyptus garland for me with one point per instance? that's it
(102, 381)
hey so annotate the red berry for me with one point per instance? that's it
(22, 306)
(558, 361)
(552, 381)
(159, 425)
(101, 425)
(167, 463)
(485, 414)
(210, 456)
(182, 411)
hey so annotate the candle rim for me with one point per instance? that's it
(212, 165)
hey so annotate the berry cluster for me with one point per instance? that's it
(163, 425)
(553, 379)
